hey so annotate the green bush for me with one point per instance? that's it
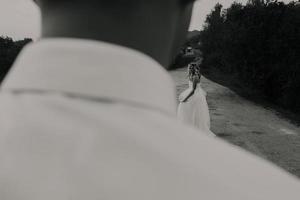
(181, 59)
(9, 50)
(260, 43)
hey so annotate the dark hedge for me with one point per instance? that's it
(9, 50)
(260, 44)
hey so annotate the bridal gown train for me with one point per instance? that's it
(195, 111)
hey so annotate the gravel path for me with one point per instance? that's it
(248, 125)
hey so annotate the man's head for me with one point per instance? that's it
(155, 27)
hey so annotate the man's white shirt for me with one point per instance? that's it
(81, 119)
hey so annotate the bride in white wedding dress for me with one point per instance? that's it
(193, 108)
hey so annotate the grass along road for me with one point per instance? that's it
(248, 125)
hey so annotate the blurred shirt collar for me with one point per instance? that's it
(93, 69)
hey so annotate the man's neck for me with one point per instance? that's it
(130, 33)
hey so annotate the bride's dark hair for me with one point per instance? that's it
(194, 76)
(194, 71)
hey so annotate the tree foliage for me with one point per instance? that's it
(9, 50)
(260, 43)
(181, 59)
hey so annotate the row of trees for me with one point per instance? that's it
(9, 50)
(182, 59)
(260, 43)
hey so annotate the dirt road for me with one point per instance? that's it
(250, 126)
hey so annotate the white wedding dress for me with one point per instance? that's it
(195, 110)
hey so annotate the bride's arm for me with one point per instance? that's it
(188, 96)
(191, 93)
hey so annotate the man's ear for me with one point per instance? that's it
(36, 1)
(187, 1)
